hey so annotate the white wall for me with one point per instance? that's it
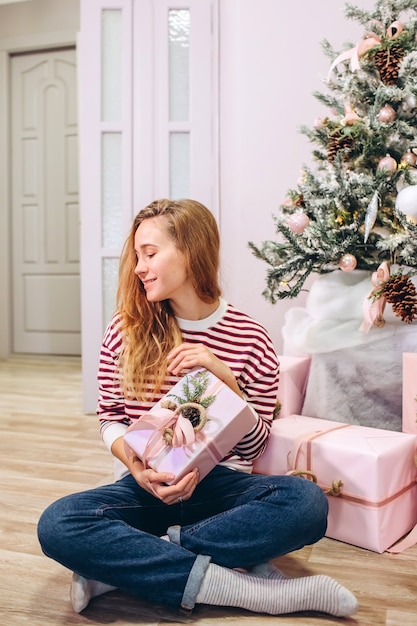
(271, 63)
(38, 16)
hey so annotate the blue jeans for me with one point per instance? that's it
(111, 533)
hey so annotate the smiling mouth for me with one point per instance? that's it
(148, 282)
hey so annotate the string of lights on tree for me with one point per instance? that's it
(357, 207)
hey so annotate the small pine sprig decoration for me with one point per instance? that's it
(192, 402)
(194, 388)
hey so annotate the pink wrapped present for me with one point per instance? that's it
(292, 384)
(410, 392)
(372, 470)
(195, 425)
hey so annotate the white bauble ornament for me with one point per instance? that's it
(348, 263)
(411, 101)
(406, 201)
(298, 222)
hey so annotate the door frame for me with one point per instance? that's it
(8, 47)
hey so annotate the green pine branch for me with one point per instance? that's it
(349, 145)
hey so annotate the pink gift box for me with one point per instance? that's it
(377, 502)
(410, 392)
(229, 419)
(292, 384)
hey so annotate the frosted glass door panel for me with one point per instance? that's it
(179, 64)
(179, 159)
(111, 185)
(110, 274)
(111, 65)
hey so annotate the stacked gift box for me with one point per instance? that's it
(374, 470)
(370, 473)
(410, 392)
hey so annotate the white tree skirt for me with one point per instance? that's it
(355, 377)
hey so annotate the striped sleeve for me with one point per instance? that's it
(111, 406)
(258, 379)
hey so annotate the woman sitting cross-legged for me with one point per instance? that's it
(194, 542)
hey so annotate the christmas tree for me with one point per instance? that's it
(357, 206)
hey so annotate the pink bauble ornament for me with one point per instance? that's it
(388, 164)
(298, 222)
(348, 263)
(395, 29)
(387, 114)
(319, 123)
(409, 158)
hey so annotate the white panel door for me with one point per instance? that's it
(45, 213)
(148, 120)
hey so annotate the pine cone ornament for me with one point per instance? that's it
(338, 141)
(299, 201)
(388, 62)
(193, 412)
(401, 293)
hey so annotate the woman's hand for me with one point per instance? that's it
(190, 355)
(156, 482)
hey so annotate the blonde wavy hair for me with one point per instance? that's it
(150, 329)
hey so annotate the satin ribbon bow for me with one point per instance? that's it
(373, 312)
(159, 420)
(369, 40)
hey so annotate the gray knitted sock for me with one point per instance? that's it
(226, 587)
(84, 589)
(267, 570)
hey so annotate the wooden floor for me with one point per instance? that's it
(48, 448)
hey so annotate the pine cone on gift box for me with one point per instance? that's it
(194, 414)
(401, 293)
(388, 62)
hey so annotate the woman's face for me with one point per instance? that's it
(160, 265)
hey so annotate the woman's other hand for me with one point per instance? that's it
(188, 356)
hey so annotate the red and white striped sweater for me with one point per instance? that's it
(235, 338)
